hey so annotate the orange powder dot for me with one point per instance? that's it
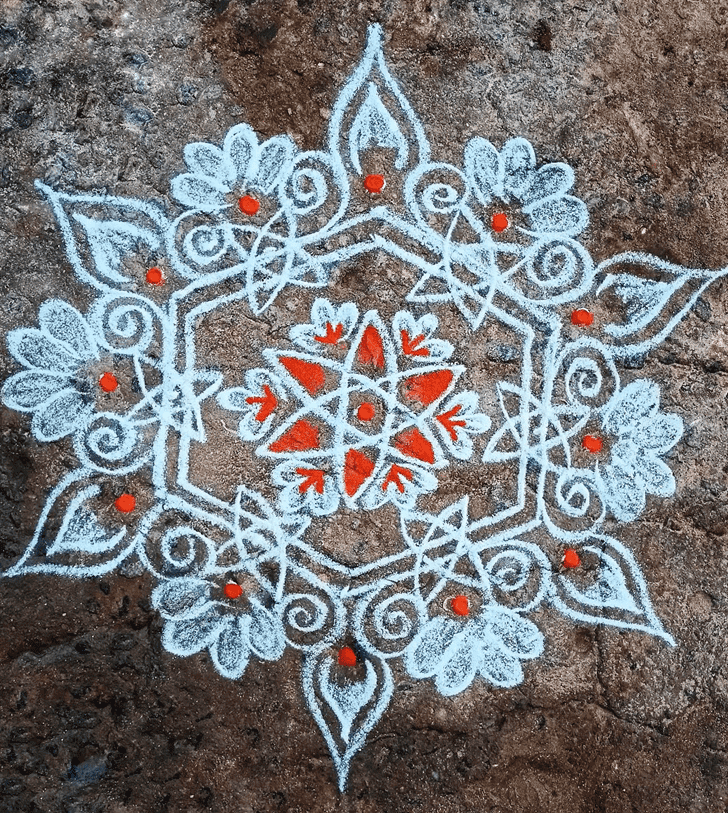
(232, 590)
(154, 276)
(460, 605)
(374, 184)
(365, 412)
(582, 317)
(592, 444)
(499, 222)
(347, 656)
(108, 382)
(571, 558)
(248, 205)
(125, 503)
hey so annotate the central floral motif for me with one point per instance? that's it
(378, 410)
(357, 411)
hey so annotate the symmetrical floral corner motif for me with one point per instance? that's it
(362, 412)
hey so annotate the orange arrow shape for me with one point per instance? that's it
(267, 403)
(333, 334)
(446, 419)
(410, 347)
(395, 475)
(313, 477)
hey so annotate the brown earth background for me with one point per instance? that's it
(103, 96)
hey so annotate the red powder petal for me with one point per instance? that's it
(125, 503)
(357, 468)
(248, 205)
(592, 444)
(232, 590)
(414, 444)
(347, 656)
(309, 375)
(299, 438)
(571, 558)
(374, 184)
(460, 605)
(427, 387)
(108, 382)
(371, 350)
(582, 317)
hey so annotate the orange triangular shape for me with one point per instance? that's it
(371, 350)
(427, 387)
(300, 437)
(357, 468)
(309, 375)
(414, 444)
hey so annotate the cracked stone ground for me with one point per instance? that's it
(102, 97)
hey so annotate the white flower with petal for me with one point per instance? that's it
(241, 165)
(195, 621)
(511, 174)
(53, 354)
(644, 434)
(492, 644)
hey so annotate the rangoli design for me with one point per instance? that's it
(357, 411)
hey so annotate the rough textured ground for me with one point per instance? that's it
(103, 96)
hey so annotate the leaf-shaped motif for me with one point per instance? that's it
(459, 667)
(617, 595)
(62, 322)
(265, 633)
(82, 546)
(501, 668)
(348, 699)
(427, 653)
(33, 348)
(230, 651)
(482, 165)
(181, 598)
(207, 159)
(652, 307)
(372, 111)
(518, 162)
(26, 391)
(192, 635)
(548, 181)
(514, 633)
(353, 710)
(100, 232)
(111, 241)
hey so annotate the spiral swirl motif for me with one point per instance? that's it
(125, 322)
(445, 193)
(518, 574)
(556, 266)
(205, 244)
(110, 444)
(590, 376)
(309, 184)
(184, 551)
(509, 570)
(385, 624)
(309, 619)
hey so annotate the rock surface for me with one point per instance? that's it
(103, 97)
